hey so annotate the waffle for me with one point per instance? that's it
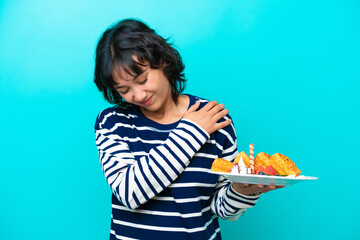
(263, 159)
(245, 158)
(221, 165)
(283, 165)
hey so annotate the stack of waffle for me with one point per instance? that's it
(282, 164)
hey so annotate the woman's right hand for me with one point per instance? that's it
(208, 116)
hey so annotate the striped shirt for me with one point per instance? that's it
(159, 176)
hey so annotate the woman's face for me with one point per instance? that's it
(149, 91)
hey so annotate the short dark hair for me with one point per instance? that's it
(128, 38)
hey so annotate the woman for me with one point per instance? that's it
(157, 145)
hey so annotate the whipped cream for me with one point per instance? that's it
(240, 168)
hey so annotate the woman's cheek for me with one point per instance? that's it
(126, 97)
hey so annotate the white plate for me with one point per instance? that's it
(265, 179)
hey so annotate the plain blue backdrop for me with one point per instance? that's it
(288, 71)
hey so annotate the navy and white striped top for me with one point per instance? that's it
(159, 176)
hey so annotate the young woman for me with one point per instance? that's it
(156, 145)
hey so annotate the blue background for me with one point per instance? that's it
(288, 71)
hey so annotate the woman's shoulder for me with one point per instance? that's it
(194, 99)
(110, 116)
(203, 102)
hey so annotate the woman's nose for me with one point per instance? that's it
(139, 95)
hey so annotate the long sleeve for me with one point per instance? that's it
(135, 181)
(229, 204)
(226, 202)
(159, 175)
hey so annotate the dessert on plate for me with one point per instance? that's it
(264, 164)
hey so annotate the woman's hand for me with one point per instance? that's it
(208, 116)
(249, 189)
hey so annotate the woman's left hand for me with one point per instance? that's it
(249, 189)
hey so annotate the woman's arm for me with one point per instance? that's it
(134, 182)
(226, 202)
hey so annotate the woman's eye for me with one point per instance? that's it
(143, 82)
(124, 92)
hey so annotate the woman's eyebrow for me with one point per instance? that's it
(138, 76)
(134, 79)
(119, 86)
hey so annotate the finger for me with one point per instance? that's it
(220, 115)
(222, 125)
(271, 188)
(267, 189)
(216, 109)
(243, 184)
(194, 107)
(209, 105)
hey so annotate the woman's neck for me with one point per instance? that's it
(170, 112)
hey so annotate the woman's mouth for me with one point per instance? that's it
(147, 102)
